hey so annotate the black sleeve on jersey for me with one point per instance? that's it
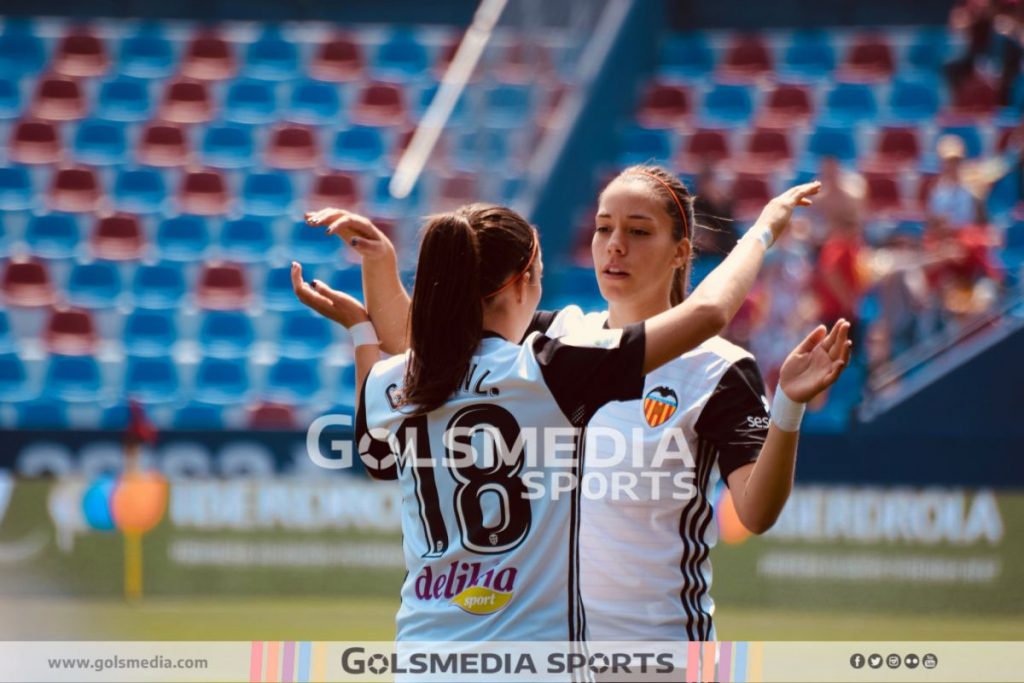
(735, 419)
(378, 450)
(540, 323)
(584, 378)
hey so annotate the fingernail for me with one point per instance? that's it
(314, 284)
(295, 264)
(355, 240)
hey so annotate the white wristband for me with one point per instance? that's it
(363, 334)
(763, 233)
(786, 413)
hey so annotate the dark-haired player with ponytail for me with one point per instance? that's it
(491, 544)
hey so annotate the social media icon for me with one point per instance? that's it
(875, 661)
(911, 661)
(893, 661)
(857, 661)
(929, 661)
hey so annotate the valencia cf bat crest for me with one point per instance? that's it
(660, 404)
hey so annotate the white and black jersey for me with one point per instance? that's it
(486, 561)
(645, 567)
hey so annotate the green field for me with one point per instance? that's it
(373, 619)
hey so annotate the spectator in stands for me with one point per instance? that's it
(841, 199)
(992, 30)
(716, 231)
(839, 280)
(950, 199)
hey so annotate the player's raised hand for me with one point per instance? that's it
(778, 211)
(355, 230)
(816, 363)
(330, 303)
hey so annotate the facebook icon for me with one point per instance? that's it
(857, 661)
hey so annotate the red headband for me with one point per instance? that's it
(675, 197)
(508, 283)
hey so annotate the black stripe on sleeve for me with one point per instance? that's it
(540, 323)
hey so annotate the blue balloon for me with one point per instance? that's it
(96, 503)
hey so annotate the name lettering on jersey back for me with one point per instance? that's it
(467, 586)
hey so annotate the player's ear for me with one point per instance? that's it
(681, 255)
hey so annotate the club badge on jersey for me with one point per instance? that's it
(660, 404)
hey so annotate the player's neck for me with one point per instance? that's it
(622, 313)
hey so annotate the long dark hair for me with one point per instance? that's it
(679, 208)
(466, 256)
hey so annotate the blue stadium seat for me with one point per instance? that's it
(246, 240)
(53, 235)
(149, 332)
(278, 294)
(43, 414)
(151, 379)
(728, 104)
(810, 54)
(292, 381)
(183, 238)
(13, 378)
(16, 191)
(481, 149)
(312, 245)
(315, 102)
(833, 141)
(687, 56)
(577, 286)
(641, 145)
(94, 285)
(198, 416)
(222, 381)
(272, 58)
(140, 190)
(116, 417)
(850, 103)
(250, 101)
(73, 378)
(267, 194)
(929, 50)
(359, 147)
(507, 106)
(21, 53)
(304, 334)
(1005, 194)
(226, 334)
(1013, 252)
(383, 204)
(913, 101)
(348, 280)
(401, 57)
(124, 99)
(459, 114)
(6, 339)
(158, 286)
(146, 55)
(974, 144)
(10, 99)
(100, 143)
(228, 146)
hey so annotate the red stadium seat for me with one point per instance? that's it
(379, 104)
(748, 57)
(118, 238)
(898, 146)
(272, 416)
(456, 190)
(869, 59)
(81, 54)
(223, 287)
(975, 96)
(187, 102)
(203, 193)
(664, 106)
(750, 194)
(768, 147)
(75, 190)
(209, 58)
(445, 56)
(524, 62)
(883, 192)
(787, 105)
(35, 142)
(336, 188)
(292, 147)
(26, 282)
(338, 60)
(163, 144)
(70, 332)
(707, 146)
(58, 98)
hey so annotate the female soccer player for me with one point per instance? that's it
(498, 539)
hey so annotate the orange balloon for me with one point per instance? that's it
(730, 528)
(139, 501)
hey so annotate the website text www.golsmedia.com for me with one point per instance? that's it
(117, 663)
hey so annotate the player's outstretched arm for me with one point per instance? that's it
(716, 300)
(386, 298)
(760, 490)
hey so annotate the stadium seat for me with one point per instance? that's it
(928, 50)
(381, 202)
(400, 58)
(198, 416)
(664, 106)
(706, 146)
(80, 54)
(869, 59)
(687, 56)
(251, 102)
(272, 417)
(204, 193)
(304, 334)
(35, 142)
(913, 101)
(833, 141)
(44, 414)
(124, 99)
(222, 381)
(851, 103)
(158, 286)
(974, 143)
(246, 240)
(748, 57)
(458, 117)
(507, 106)
(95, 285)
(140, 190)
(267, 194)
(883, 192)
(151, 379)
(727, 104)
(484, 148)
(163, 144)
(208, 57)
(150, 332)
(974, 97)
(222, 287)
(292, 381)
(73, 378)
(809, 55)
(146, 55)
(58, 98)
(898, 146)
(26, 282)
(335, 189)
(6, 339)
(1013, 251)
(100, 143)
(278, 294)
(337, 60)
(292, 147)
(787, 105)
(524, 60)
(70, 332)
(358, 148)
(768, 147)
(183, 238)
(750, 194)
(379, 104)
(312, 245)
(271, 58)
(117, 238)
(53, 235)
(16, 191)
(10, 99)
(314, 102)
(226, 334)
(455, 190)
(13, 378)
(228, 146)
(21, 53)
(641, 145)
(187, 102)
(76, 190)
(348, 280)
